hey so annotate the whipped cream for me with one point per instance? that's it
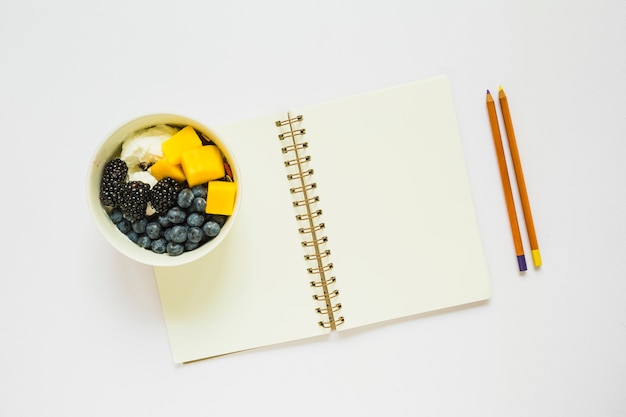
(145, 146)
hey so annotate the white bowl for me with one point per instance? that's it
(110, 148)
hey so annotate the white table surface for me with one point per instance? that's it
(81, 327)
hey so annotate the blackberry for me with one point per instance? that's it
(113, 178)
(134, 197)
(163, 195)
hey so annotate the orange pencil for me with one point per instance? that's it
(521, 184)
(506, 184)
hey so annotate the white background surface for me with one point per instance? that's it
(81, 327)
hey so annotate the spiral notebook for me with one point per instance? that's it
(354, 212)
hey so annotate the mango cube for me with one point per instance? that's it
(203, 164)
(221, 197)
(162, 168)
(178, 143)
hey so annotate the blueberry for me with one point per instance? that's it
(124, 226)
(219, 219)
(198, 205)
(159, 245)
(199, 190)
(139, 225)
(185, 198)
(191, 245)
(195, 234)
(163, 220)
(211, 228)
(116, 215)
(144, 241)
(195, 219)
(178, 233)
(153, 230)
(176, 215)
(167, 234)
(132, 235)
(174, 249)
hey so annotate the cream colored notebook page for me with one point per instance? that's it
(396, 201)
(396, 208)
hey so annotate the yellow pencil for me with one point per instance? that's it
(521, 185)
(506, 184)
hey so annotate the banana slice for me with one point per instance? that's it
(143, 148)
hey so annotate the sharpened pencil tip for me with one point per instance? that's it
(488, 91)
(500, 88)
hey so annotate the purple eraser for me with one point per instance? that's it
(521, 261)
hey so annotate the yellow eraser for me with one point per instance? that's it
(181, 141)
(202, 164)
(221, 197)
(536, 257)
(162, 169)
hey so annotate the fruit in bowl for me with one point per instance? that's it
(168, 186)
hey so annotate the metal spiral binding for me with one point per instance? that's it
(308, 214)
